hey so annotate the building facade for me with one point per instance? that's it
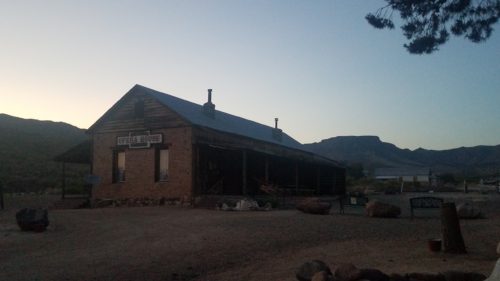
(153, 145)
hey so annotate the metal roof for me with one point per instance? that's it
(222, 121)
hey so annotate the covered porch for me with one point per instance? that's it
(243, 171)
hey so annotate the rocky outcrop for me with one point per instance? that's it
(32, 219)
(467, 211)
(382, 210)
(309, 269)
(317, 270)
(346, 272)
(314, 206)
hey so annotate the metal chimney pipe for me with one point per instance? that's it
(209, 95)
(276, 123)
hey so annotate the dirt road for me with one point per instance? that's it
(175, 243)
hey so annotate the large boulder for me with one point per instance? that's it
(314, 206)
(373, 274)
(453, 275)
(467, 211)
(378, 209)
(397, 277)
(308, 269)
(30, 219)
(346, 272)
(425, 276)
(322, 276)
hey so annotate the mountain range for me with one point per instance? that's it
(28, 148)
(373, 153)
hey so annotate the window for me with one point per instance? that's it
(119, 166)
(161, 164)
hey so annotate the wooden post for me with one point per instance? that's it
(63, 183)
(453, 242)
(244, 172)
(196, 171)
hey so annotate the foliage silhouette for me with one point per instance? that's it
(427, 23)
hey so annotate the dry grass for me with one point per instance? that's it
(174, 243)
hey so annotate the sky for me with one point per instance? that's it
(316, 65)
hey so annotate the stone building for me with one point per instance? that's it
(153, 145)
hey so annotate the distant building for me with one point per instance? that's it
(152, 145)
(406, 174)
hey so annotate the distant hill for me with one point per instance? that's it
(27, 148)
(373, 153)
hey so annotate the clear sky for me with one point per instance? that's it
(317, 65)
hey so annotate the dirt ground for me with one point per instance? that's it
(179, 243)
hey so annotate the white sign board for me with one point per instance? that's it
(139, 141)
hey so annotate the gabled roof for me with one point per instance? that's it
(224, 122)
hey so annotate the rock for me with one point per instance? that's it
(463, 276)
(467, 211)
(246, 205)
(314, 206)
(382, 210)
(225, 207)
(397, 277)
(33, 219)
(307, 270)
(267, 207)
(321, 276)
(373, 275)
(498, 248)
(346, 272)
(425, 277)
(495, 274)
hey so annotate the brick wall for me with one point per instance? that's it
(140, 167)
